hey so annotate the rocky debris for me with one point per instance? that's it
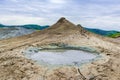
(18, 68)
(65, 73)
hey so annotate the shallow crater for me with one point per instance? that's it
(60, 56)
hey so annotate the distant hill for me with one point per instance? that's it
(1, 26)
(18, 30)
(28, 26)
(9, 32)
(36, 27)
(111, 33)
(115, 35)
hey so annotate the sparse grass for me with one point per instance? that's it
(115, 35)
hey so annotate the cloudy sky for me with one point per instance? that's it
(103, 14)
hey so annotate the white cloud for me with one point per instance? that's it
(57, 1)
(20, 20)
(14, 0)
(104, 22)
(94, 13)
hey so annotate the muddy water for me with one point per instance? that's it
(60, 57)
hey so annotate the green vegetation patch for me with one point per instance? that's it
(115, 35)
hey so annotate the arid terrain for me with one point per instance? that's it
(118, 38)
(15, 66)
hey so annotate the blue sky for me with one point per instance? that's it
(103, 14)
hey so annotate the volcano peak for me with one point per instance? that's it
(62, 20)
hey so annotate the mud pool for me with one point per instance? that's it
(60, 57)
